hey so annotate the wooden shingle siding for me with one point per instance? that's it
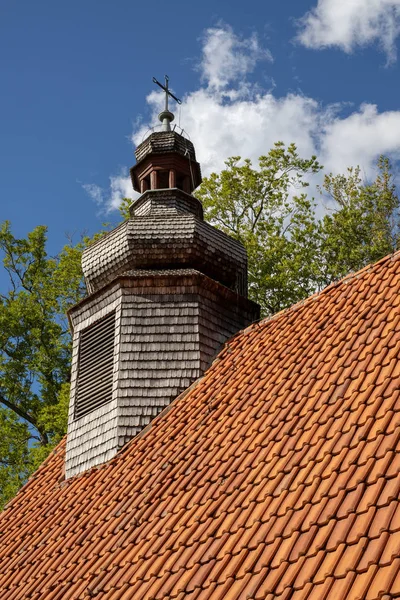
(166, 234)
(166, 201)
(161, 142)
(169, 325)
(95, 366)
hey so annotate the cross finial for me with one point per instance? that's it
(166, 116)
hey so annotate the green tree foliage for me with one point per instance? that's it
(293, 253)
(124, 208)
(267, 209)
(35, 348)
(364, 223)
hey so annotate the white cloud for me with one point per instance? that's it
(246, 121)
(110, 199)
(120, 187)
(95, 192)
(360, 138)
(246, 126)
(227, 58)
(347, 24)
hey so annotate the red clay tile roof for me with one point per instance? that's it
(276, 476)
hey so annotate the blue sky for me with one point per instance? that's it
(77, 92)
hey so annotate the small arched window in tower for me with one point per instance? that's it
(95, 366)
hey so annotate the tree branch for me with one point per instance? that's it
(258, 215)
(26, 416)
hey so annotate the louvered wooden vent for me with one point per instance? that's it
(95, 366)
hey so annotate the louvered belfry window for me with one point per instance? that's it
(95, 366)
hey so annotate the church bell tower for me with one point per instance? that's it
(165, 291)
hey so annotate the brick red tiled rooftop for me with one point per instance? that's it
(276, 476)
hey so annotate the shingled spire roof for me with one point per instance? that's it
(275, 476)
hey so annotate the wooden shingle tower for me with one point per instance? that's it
(165, 291)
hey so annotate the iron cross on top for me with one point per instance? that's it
(167, 91)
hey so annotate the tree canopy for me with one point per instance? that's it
(35, 350)
(362, 223)
(293, 252)
(294, 249)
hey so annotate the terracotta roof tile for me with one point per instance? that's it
(387, 579)
(276, 476)
(321, 591)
